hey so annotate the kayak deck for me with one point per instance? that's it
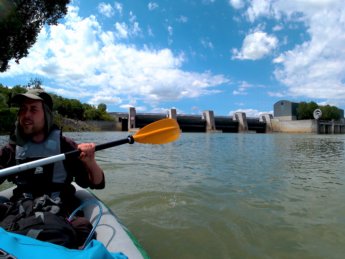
(109, 231)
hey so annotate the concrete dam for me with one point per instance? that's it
(206, 122)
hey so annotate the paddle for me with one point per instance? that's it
(159, 132)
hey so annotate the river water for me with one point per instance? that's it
(229, 195)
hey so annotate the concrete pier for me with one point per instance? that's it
(242, 121)
(267, 118)
(331, 127)
(210, 122)
(207, 122)
(172, 114)
(235, 123)
(131, 122)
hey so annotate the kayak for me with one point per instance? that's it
(109, 230)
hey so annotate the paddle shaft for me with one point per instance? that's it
(52, 159)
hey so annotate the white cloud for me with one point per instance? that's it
(182, 19)
(237, 4)
(316, 67)
(152, 6)
(207, 2)
(242, 88)
(124, 31)
(170, 30)
(106, 9)
(207, 44)
(258, 8)
(256, 46)
(278, 27)
(250, 112)
(118, 7)
(276, 94)
(80, 59)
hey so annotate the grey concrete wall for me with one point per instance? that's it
(104, 125)
(210, 124)
(267, 117)
(131, 118)
(172, 114)
(242, 120)
(298, 126)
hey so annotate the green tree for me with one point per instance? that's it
(5, 93)
(71, 108)
(102, 107)
(20, 23)
(8, 117)
(35, 83)
(3, 102)
(305, 110)
(330, 112)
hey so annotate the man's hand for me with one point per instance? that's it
(87, 152)
(87, 155)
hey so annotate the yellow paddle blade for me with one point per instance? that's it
(159, 132)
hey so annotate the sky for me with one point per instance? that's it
(192, 55)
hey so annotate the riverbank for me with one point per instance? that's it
(71, 125)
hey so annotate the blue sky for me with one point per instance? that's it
(192, 55)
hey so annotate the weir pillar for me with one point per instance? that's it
(242, 121)
(210, 123)
(267, 117)
(172, 114)
(131, 119)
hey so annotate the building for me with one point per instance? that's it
(285, 110)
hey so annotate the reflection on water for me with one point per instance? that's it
(229, 195)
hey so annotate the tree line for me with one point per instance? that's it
(305, 111)
(20, 23)
(68, 108)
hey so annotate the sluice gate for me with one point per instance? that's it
(238, 122)
(192, 123)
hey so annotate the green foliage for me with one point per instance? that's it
(3, 103)
(90, 113)
(20, 23)
(330, 112)
(305, 111)
(8, 117)
(68, 108)
(35, 83)
(102, 107)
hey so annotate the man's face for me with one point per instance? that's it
(31, 118)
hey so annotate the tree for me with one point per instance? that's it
(330, 113)
(305, 110)
(102, 107)
(20, 23)
(35, 83)
(3, 102)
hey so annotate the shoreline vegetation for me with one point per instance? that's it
(69, 114)
(67, 125)
(72, 125)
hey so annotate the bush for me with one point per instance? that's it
(8, 117)
(305, 111)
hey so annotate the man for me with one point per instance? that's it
(48, 188)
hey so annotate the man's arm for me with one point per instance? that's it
(87, 155)
(7, 159)
(86, 175)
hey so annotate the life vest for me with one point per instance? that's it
(43, 179)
